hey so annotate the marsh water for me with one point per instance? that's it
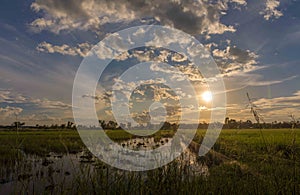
(37, 174)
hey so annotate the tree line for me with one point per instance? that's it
(112, 125)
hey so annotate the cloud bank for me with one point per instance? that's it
(195, 17)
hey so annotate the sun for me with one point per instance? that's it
(207, 96)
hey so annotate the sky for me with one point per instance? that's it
(255, 45)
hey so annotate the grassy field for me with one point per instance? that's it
(248, 161)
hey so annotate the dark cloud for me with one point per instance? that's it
(233, 60)
(195, 17)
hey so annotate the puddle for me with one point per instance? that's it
(187, 158)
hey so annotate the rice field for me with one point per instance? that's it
(242, 161)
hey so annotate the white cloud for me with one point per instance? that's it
(48, 104)
(80, 50)
(240, 2)
(244, 80)
(271, 109)
(32, 110)
(279, 108)
(270, 82)
(10, 97)
(9, 111)
(271, 10)
(279, 102)
(41, 23)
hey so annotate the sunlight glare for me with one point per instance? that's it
(207, 96)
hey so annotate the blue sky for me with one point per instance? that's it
(256, 44)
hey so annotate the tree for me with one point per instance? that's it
(112, 125)
(232, 124)
(18, 124)
(70, 124)
(102, 124)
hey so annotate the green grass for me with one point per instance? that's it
(255, 163)
(43, 142)
(40, 142)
